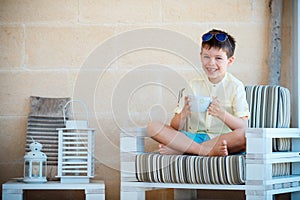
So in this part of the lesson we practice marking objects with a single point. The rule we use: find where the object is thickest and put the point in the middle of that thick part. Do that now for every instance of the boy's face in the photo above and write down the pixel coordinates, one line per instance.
(215, 63)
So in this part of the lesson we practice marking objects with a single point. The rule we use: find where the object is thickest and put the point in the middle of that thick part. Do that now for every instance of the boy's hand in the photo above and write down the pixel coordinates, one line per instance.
(178, 120)
(186, 111)
(215, 109)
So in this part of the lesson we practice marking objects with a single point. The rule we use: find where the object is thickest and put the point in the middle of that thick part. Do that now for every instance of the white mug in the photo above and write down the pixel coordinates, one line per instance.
(199, 103)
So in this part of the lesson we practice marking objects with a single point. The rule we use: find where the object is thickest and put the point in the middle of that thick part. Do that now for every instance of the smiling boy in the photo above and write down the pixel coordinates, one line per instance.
(220, 130)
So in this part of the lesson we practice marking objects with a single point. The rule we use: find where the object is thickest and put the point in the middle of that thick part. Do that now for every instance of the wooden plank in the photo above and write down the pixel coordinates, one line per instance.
(140, 132)
(148, 185)
(273, 133)
(275, 157)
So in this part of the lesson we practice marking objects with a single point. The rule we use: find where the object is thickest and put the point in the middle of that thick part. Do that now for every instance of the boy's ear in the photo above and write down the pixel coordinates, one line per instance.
(231, 60)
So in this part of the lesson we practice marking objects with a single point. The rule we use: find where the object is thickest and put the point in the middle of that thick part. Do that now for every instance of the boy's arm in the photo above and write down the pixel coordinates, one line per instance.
(234, 122)
(231, 121)
(177, 122)
(179, 119)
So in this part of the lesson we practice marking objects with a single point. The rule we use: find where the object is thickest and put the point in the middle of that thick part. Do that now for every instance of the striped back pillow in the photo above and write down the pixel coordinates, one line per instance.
(269, 106)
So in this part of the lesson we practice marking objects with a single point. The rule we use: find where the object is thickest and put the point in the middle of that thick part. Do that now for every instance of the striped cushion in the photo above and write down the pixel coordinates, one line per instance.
(152, 167)
(269, 107)
(190, 169)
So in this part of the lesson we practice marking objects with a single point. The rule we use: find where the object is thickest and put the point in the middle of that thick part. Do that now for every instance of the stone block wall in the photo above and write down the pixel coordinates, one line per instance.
(46, 47)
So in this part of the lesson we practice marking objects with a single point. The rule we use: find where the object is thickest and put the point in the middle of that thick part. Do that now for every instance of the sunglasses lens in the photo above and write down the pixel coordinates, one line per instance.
(206, 37)
(221, 37)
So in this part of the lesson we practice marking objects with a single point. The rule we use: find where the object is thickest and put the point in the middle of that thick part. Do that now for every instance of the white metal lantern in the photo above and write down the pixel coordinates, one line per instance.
(35, 164)
(75, 151)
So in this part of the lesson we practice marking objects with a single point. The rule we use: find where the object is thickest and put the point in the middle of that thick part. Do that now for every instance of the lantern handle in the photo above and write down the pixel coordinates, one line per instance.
(78, 101)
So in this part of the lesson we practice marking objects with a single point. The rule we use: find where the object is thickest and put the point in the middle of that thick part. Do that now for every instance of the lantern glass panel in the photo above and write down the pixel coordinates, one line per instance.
(44, 169)
(26, 169)
(35, 169)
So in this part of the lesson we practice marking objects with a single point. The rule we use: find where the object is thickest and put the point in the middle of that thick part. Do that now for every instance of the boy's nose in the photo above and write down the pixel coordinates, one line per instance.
(212, 61)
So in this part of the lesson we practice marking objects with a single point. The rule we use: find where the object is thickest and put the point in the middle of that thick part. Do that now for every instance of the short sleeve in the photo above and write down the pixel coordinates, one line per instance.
(240, 105)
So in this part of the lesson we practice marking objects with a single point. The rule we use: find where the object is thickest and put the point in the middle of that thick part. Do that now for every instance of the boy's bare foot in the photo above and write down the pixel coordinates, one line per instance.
(219, 149)
(163, 149)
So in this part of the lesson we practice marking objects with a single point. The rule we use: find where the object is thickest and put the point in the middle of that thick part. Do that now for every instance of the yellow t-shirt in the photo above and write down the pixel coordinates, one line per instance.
(232, 95)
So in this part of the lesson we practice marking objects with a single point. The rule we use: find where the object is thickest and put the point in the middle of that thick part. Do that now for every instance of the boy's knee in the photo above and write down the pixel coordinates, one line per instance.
(153, 128)
(241, 134)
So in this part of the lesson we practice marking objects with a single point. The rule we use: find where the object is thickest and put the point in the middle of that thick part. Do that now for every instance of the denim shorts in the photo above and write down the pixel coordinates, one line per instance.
(197, 137)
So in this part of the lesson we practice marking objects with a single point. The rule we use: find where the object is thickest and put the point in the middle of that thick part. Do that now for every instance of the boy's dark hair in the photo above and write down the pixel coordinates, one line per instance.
(228, 45)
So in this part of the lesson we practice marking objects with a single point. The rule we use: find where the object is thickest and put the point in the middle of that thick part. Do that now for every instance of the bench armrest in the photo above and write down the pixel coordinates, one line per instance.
(132, 142)
(259, 140)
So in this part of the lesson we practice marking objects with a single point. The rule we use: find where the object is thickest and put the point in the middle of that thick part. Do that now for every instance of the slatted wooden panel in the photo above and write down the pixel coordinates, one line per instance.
(45, 117)
(44, 131)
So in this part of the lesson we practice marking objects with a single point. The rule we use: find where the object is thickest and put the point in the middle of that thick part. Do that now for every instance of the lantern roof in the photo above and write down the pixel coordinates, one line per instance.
(35, 152)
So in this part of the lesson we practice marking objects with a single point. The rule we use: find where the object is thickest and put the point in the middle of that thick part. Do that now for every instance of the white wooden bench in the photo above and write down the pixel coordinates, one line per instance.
(13, 190)
(259, 183)
(259, 159)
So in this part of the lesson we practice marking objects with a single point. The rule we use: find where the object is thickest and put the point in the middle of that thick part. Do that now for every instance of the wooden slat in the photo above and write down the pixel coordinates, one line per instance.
(273, 133)
(151, 186)
(33, 132)
(275, 157)
(29, 141)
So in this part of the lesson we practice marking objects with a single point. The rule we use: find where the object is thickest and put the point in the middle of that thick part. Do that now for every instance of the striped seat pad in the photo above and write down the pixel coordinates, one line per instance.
(153, 167)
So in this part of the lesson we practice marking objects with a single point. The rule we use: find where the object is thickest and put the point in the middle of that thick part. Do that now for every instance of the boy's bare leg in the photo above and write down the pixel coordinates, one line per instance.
(164, 149)
(236, 140)
(220, 150)
(178, 141)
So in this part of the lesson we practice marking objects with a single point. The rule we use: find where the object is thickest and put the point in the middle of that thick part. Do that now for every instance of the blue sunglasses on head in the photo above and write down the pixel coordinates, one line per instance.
(221, 37)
